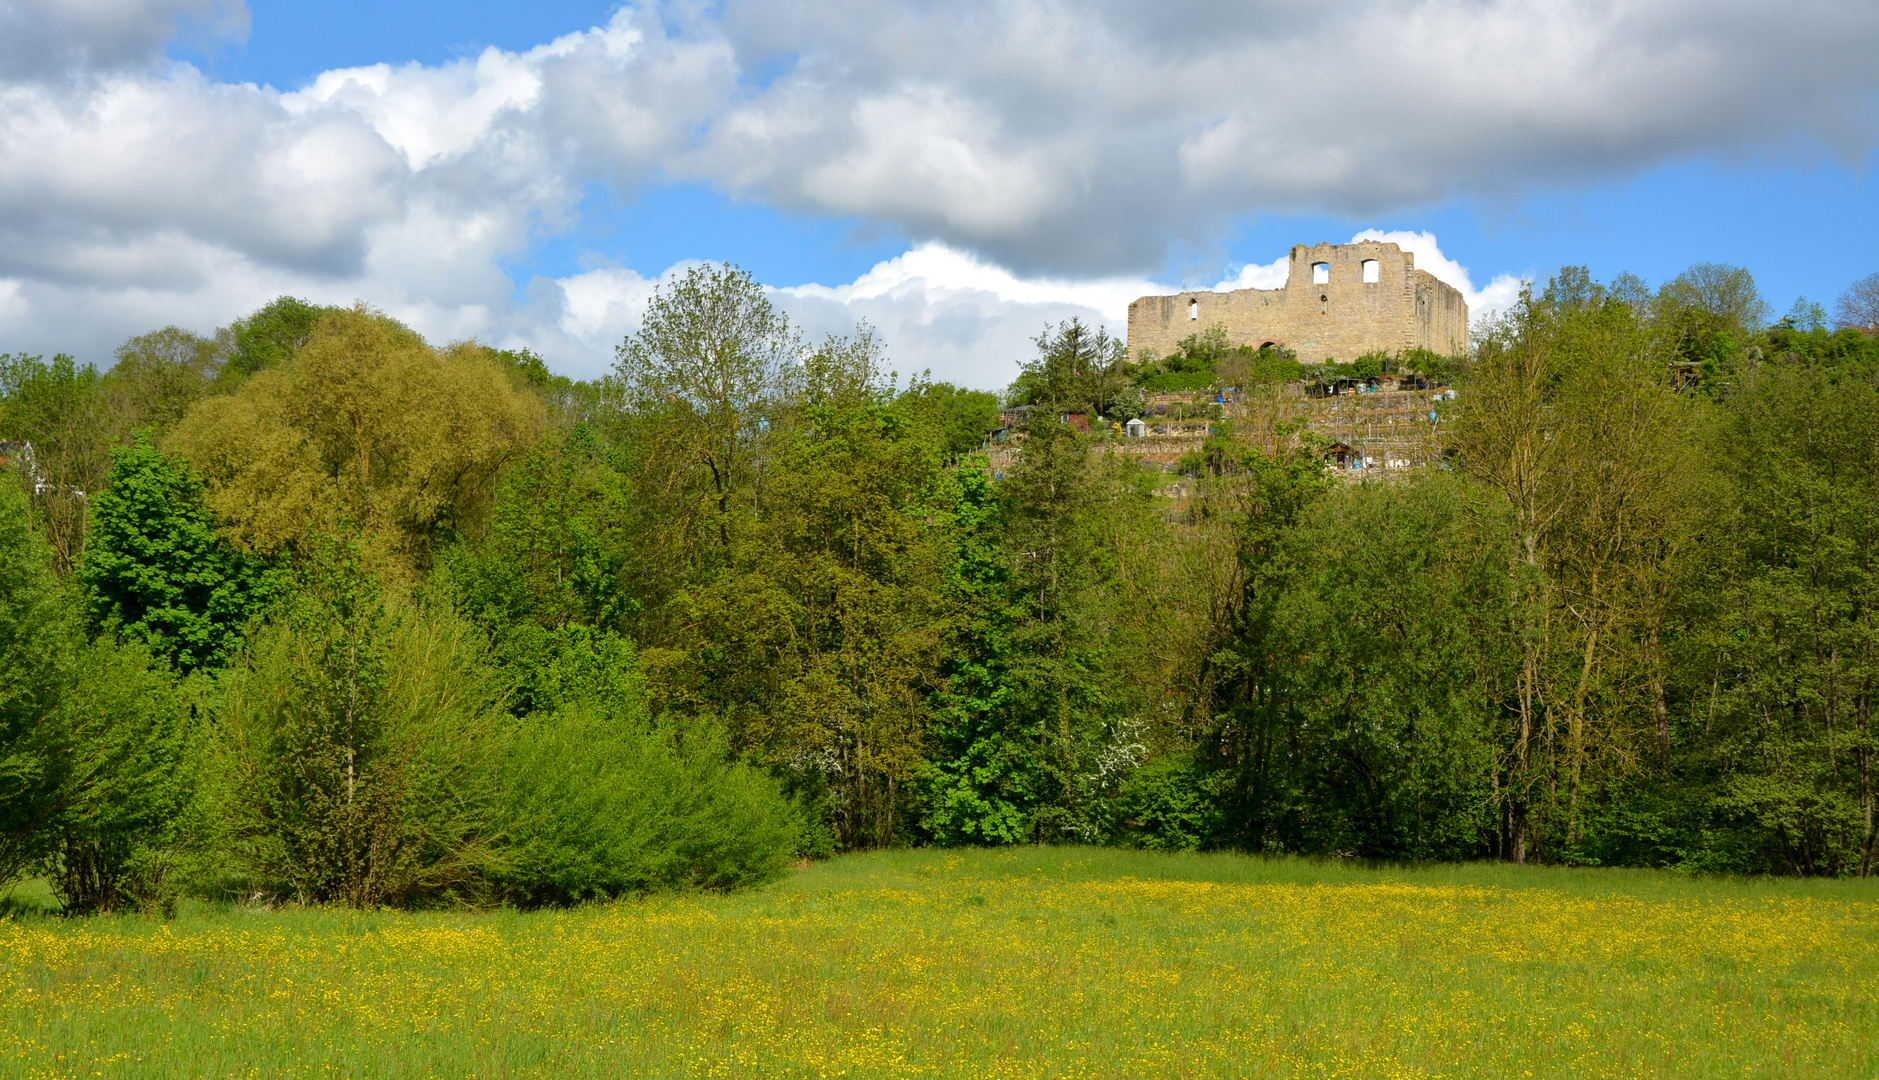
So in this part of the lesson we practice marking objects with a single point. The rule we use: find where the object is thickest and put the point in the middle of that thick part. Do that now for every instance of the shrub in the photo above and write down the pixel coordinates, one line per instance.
(117, 829)
(92, 743)
(599, 801)
(356, 749)
(1167, 805)
(35, 652)
(1129, 404)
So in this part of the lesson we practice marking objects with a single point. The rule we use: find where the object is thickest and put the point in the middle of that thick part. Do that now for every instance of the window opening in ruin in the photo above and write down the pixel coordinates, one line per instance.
(1193, 309)
(1321, 273)
(1371, 269)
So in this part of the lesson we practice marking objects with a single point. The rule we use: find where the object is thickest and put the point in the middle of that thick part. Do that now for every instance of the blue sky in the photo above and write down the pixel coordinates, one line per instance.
(288, 43)
(1803, 226)
(956, 174)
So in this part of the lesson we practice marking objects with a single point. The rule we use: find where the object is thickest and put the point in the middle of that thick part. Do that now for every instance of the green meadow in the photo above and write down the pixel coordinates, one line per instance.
(1016, 962)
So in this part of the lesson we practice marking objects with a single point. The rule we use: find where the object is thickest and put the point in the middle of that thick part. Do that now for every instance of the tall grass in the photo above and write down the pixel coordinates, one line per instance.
(1053, 962)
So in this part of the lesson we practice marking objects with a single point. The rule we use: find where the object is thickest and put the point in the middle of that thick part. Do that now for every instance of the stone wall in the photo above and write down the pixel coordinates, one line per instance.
(1341, 317)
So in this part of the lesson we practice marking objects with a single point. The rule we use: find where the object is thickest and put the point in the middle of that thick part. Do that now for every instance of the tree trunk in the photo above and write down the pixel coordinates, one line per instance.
(1658, 705)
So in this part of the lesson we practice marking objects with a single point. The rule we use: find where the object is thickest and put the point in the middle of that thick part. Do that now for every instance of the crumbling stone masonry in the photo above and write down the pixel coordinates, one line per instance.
(1339, 302)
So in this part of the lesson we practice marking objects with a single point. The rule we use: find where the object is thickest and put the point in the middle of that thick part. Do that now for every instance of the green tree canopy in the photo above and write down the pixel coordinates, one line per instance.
(156, 569)
(159, 375)
(270, 337)
(366, 427)
(58, 407)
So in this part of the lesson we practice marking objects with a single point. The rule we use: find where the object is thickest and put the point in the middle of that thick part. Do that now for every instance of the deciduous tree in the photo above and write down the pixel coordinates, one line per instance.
(159, 375)
(157, 571)
(58, 409)
(365, 427)
(1858, 306)
(357, 746)
(697, 382)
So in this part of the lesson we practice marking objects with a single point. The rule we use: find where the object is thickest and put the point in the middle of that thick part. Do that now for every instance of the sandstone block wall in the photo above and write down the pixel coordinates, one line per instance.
(1341, 317)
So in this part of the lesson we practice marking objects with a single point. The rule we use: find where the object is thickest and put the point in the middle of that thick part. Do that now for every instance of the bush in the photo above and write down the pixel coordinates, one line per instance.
(92, 742)
(1129, 404)
(1167, 806)
(599, 801)
(118, 831)
(1372, 365)
(35, 656)
(356, 749)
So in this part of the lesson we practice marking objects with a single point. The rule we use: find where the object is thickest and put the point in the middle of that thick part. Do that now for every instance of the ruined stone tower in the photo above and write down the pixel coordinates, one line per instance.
(1339, 302)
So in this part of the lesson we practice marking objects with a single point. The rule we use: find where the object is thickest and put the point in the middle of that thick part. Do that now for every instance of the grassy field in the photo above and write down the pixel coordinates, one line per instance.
(1011, 963)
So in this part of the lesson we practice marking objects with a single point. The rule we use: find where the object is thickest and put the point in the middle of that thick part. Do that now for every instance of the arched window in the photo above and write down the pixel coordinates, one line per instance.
(1371, 269)
(1193, 309)
(1320, 273)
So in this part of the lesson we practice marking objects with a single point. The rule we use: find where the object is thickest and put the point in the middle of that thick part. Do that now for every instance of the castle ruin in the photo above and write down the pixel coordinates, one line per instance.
(1339, 302)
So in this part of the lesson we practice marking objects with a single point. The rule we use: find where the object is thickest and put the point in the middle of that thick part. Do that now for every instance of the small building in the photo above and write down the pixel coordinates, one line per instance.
(1137, 428)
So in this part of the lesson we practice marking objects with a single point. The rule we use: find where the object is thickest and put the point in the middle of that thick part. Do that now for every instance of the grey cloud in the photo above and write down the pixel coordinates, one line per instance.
(1050, 136)
(52, 38)
(304, 182)
(1109, 129)
(131, 159)
(141, 196)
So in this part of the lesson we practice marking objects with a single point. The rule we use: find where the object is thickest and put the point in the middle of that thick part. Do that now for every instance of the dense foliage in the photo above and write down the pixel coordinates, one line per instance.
(315, 609)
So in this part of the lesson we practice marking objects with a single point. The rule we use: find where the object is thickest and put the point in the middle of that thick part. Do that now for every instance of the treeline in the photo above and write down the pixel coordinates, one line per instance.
(313, 609)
